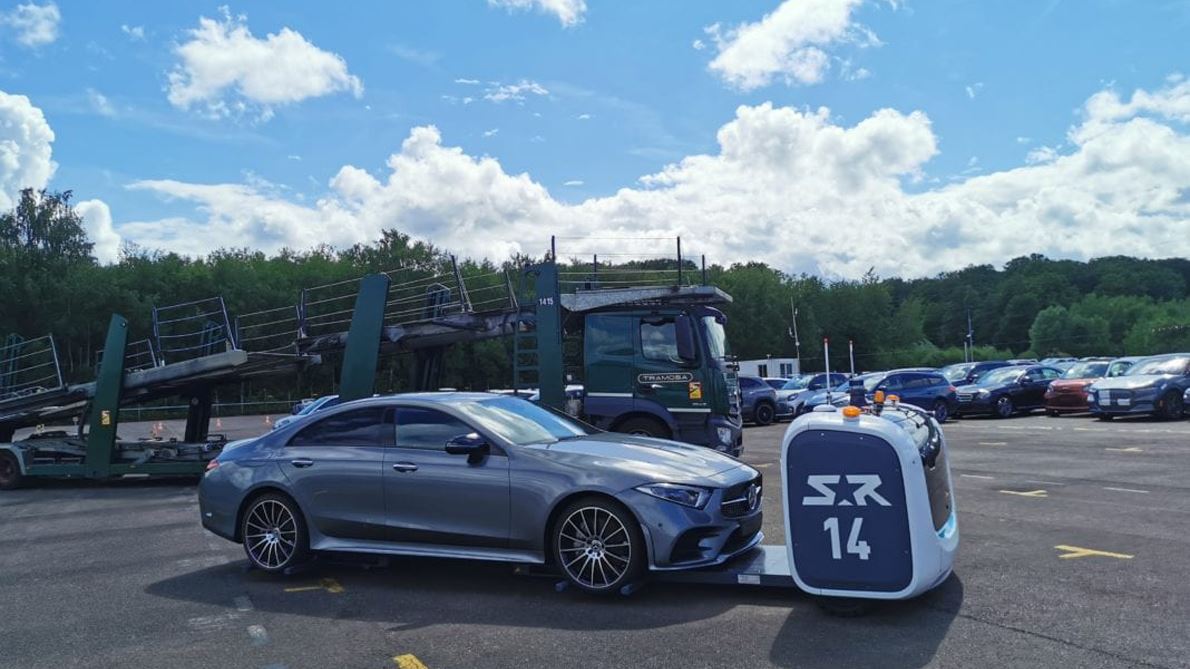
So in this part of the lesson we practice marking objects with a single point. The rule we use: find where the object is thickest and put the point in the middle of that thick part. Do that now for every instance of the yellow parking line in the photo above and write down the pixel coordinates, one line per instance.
(1030, 493)
(329, 584)
(1078, 552)
(408, 661)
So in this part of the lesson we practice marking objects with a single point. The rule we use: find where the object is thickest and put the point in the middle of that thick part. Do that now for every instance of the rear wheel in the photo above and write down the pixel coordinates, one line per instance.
(643, 426)
(764, 413)
(598, 546)
(1172, 406)
(1051, 412)
(274, 533)
(1105, 417)
(1004, 407)
(941, 411)
(10, 471)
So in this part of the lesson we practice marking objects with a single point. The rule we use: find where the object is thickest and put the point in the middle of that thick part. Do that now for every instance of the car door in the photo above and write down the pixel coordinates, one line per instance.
(434, 497)
(334, 467)
(1032, 387)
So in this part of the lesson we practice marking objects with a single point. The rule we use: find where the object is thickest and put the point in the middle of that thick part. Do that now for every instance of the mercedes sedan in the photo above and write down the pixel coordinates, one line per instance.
(487, 477)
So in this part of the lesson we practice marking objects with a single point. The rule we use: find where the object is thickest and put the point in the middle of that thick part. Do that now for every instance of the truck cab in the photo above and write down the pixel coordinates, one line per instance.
(663, 372)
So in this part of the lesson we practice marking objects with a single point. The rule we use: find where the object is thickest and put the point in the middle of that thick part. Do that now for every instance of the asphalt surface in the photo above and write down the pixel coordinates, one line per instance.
(122, 575)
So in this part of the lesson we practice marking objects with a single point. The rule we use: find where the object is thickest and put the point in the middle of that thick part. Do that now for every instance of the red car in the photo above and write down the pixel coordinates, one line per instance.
(1068, 393)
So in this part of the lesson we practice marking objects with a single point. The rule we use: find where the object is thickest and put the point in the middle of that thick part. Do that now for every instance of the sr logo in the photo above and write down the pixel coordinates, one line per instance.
(858, 487)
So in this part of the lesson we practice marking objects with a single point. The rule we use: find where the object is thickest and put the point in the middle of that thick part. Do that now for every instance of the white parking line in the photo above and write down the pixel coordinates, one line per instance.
(993, 443)
(976, 476)
(1044, 482)
(1143, 492)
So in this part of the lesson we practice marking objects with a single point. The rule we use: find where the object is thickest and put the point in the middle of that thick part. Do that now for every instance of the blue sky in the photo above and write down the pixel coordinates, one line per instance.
(597, 99)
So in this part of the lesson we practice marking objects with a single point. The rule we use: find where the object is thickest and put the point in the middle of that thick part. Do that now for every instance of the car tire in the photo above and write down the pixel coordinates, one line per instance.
(941, 411)
(1171, 406)
(1003, 407)
(274, 533)
(10, 471)
(1051, 413)
(764, 413)
(598, 546)
(644, 426)
(1105, 417)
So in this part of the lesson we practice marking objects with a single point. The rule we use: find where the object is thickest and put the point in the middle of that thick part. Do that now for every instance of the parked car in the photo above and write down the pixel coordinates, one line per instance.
(480, 476)
(758, 400)
(1058, 363)
(840, 395)
(1068, 393)
(965, 373)
(1005, 391)
(777, 382)
(312, 406)
(929, 390)
(792, 396)
(1155, 385)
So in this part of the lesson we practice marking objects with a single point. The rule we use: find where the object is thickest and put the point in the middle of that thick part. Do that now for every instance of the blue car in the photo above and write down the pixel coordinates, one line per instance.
(918, 386)
(758, 400)
(1156, 386)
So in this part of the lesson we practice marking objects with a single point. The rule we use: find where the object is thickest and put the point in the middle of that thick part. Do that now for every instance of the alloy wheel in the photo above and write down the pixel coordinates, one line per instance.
(1004, 407)
(594, 547)
(270, 533)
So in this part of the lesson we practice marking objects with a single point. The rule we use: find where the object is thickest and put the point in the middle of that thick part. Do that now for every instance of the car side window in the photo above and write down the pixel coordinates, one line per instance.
(1049, 374)
(893, 382)
(361, 427)
(746, 383)
(427, 429)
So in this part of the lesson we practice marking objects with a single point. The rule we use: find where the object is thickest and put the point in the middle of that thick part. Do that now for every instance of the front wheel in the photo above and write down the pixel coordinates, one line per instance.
(1172, 406)
(1105, 417)
(764, 413)
(1004, 407)
(598, 546)
(10, 471)
(274, 533)
(643, 426)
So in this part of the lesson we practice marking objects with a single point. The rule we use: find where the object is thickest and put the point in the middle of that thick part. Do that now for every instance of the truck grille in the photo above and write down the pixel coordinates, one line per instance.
(738, 500)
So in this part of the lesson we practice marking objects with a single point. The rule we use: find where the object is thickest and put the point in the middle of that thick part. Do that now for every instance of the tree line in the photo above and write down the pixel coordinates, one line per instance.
(1032, 307)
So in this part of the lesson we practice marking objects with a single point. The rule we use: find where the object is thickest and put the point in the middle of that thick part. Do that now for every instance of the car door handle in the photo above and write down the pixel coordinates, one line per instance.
(301, 462)
(405, 466)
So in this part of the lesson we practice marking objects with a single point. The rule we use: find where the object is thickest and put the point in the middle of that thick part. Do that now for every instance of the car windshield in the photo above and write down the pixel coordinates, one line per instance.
(1086, 370)
(956, 372)
(777, 384)
(1175, 365)
(998, 376)
(797, 384)
(315, 405)
(520, 421)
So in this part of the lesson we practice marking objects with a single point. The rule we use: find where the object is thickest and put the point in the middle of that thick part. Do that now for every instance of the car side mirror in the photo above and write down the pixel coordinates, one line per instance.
(684, 334)
(467, 444)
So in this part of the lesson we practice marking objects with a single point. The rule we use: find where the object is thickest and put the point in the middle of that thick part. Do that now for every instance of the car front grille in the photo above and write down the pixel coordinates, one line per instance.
(966, 397)
(1116, 395)
(736, 500)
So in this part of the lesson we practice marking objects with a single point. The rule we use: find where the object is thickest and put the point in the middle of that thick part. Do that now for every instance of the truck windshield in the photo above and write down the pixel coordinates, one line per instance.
(520, 421)
(716, 337)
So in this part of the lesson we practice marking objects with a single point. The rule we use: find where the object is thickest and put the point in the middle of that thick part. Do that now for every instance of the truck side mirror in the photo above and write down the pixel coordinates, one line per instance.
(684, 333)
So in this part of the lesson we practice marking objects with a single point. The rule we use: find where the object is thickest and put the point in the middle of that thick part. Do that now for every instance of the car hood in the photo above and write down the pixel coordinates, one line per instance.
(1132, 382)
(975, 387)
(1072, 383)
(651, 459)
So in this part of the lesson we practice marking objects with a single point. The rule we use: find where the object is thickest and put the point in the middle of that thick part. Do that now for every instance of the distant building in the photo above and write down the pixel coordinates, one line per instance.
(783, 367)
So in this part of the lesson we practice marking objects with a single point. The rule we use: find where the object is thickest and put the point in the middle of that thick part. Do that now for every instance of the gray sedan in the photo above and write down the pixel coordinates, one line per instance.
(487, 477)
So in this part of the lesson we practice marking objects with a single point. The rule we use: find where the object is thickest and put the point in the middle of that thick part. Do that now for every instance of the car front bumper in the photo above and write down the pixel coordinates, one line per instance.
(975, 405)
(682, 537)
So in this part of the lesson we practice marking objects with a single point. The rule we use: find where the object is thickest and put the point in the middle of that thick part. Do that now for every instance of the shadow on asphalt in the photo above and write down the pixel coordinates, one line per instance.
(413, 593)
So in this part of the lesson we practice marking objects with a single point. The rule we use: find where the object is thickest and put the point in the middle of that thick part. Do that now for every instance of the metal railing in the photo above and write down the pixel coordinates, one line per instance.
(29, 366)
(138, 355)
(665, 267)
(269, 330)
(192, 329)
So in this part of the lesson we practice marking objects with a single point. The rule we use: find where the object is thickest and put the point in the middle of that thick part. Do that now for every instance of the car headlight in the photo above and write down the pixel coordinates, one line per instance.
(686, 495)
(983, 392)
(724, 434)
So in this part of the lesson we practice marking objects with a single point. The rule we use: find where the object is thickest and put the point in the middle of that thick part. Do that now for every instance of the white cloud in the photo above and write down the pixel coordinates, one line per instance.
(973, 89)
(35, 25)
(97, 220)
(489, 133)
(498, 92)
(583, 117)
(782, 185)
(294, 156)
(790, 43)
(1041, 154)
(135, 33)
(225, 71)
(698, 45)
(416, 56)
(467, 82)
(572, 182)
(100, 103)
(25, 148)
(569, 12)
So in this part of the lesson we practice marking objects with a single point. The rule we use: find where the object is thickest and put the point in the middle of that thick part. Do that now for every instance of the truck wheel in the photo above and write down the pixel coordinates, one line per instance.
(1171, 406)
(10, 471)
(764, 413)
(598, 546)
(274, 533)
(643, 426)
